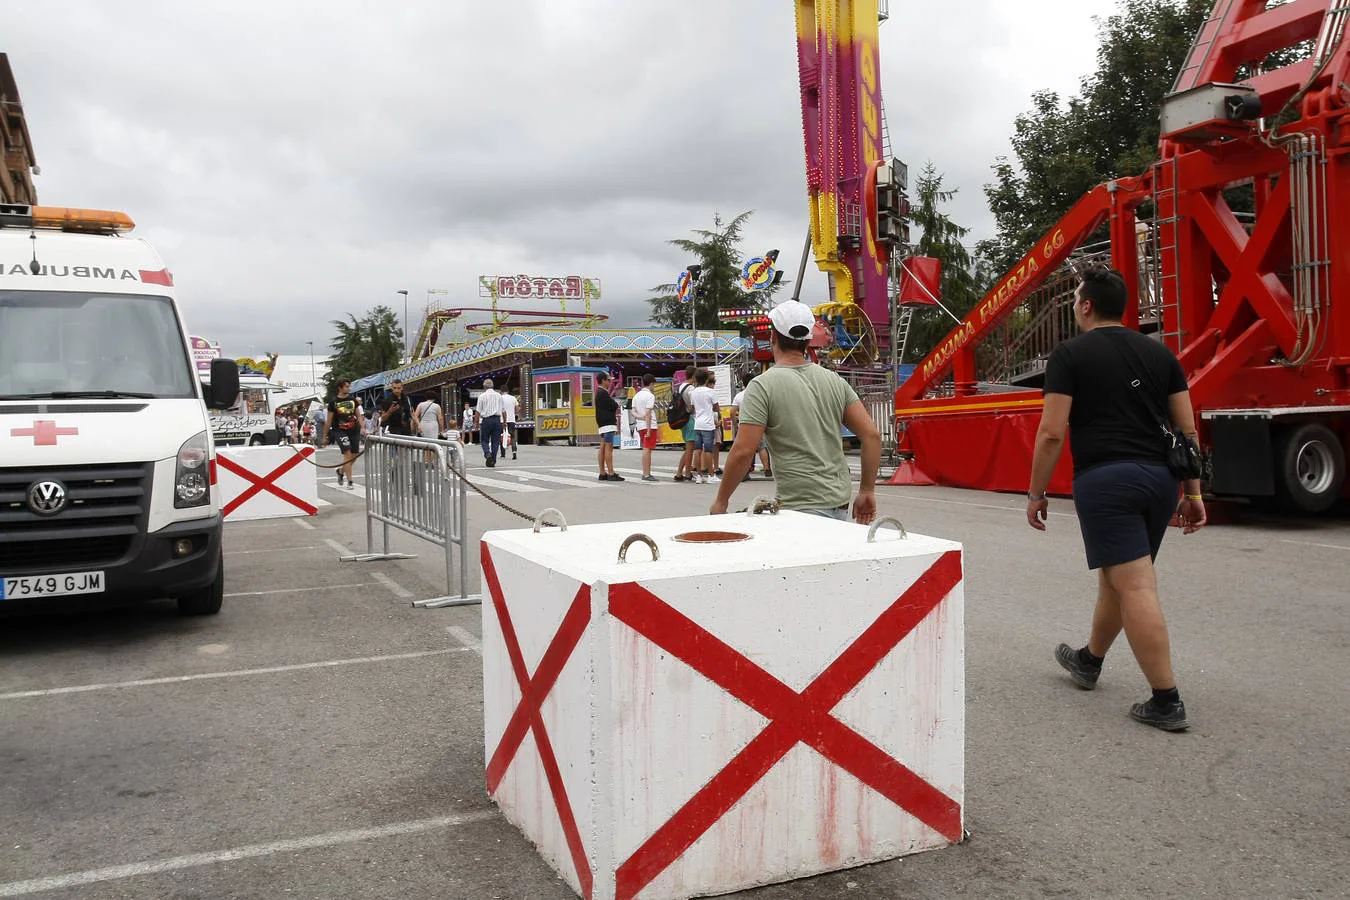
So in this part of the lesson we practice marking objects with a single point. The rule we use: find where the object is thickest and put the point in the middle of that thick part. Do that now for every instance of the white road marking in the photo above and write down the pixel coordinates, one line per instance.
(235, 673)
(594, 479)
(269, 550)
(250, 851)
(304, 523)
(327, 587)
(394, 587)
(664, 474)
(1015, 509)
(569, 482)
(502, 485)
(466, 637)
(1312, 544)
(356, 491)
(341, 550)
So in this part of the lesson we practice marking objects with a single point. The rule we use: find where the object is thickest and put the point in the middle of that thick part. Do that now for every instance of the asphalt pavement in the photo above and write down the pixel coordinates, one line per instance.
(321, 738)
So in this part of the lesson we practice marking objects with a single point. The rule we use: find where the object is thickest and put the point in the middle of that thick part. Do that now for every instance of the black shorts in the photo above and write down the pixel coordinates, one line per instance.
(1123, 510)
(349, 441)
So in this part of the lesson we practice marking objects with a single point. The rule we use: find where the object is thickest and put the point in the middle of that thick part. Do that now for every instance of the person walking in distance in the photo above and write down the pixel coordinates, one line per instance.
(509, 406)
(644, 419)
(684, 470)
(344, 425)
(1109, 387)
(490, 422)
(717, 428)
(736, 429)
(798, 406)
(466, 423)
(396, 411)
(429, 418)
(707, 414)
(607, 423)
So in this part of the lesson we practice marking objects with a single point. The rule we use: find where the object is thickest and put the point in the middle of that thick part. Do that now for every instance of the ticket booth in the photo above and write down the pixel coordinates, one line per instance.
(564, 404)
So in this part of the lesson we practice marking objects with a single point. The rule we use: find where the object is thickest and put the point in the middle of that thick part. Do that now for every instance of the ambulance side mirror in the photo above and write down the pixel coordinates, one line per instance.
(224, 386)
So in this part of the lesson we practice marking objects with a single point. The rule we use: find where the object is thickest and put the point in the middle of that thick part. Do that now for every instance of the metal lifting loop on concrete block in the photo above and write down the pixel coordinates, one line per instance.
(886, 520)
(540, 523)
(763, 504)
(633, 539)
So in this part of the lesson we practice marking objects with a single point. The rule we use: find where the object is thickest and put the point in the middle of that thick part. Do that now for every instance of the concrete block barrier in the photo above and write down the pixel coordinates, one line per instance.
(266, 482)
(729, 702)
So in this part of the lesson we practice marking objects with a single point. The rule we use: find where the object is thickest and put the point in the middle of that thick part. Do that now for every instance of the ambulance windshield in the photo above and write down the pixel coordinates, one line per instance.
(65, 344)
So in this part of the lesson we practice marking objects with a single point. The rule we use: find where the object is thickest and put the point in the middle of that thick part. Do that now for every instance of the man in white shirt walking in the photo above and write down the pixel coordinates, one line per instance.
(644, 418)
(509, 406)
(490, 423)
(707, 416)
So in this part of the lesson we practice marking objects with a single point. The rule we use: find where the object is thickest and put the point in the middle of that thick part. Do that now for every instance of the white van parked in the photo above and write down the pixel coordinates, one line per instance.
(252, 419)
(107, 469)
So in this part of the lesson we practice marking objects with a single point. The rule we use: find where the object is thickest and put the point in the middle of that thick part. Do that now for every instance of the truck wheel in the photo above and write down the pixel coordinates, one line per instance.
(207, 601)
(255, 441)
(1309, 468)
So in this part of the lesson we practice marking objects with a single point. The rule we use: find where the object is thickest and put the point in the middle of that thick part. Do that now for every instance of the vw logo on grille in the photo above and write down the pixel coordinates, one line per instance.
(47, 498)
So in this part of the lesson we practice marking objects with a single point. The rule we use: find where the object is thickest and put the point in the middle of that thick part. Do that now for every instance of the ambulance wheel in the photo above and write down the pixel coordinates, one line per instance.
(208, 600)
(1309, 468)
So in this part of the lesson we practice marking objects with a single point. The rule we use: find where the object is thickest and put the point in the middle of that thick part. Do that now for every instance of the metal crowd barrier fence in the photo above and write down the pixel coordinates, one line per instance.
(416, 485)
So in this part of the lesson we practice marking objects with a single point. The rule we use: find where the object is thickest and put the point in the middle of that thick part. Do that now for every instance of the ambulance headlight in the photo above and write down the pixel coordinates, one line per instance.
(191, 484)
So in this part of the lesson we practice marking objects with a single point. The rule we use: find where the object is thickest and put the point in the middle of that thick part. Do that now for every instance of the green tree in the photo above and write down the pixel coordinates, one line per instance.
(717, 250)
(940, 238)
(365, 346)
(1063, 149)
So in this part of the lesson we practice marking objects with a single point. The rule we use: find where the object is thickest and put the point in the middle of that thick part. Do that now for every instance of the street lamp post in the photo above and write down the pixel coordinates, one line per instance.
(313, 375)
(405, 324)
(694, 272)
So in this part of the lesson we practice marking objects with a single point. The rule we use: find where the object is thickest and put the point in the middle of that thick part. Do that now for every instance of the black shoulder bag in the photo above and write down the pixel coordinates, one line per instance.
(1183, 456)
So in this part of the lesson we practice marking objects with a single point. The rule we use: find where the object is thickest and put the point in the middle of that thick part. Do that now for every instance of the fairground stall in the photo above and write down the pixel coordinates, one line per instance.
(513, 356)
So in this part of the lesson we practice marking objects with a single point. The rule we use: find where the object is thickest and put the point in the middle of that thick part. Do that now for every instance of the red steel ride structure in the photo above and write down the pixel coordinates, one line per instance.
(1256, 306)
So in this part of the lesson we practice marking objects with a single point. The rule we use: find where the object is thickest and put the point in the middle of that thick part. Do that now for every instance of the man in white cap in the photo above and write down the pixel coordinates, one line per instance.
(798, 406)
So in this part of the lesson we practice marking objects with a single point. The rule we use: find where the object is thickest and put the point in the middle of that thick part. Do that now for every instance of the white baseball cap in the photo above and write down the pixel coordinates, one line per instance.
(792, 319)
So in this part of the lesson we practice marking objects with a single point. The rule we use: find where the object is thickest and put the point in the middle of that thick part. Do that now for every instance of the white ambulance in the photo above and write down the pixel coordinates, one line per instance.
(107, 469)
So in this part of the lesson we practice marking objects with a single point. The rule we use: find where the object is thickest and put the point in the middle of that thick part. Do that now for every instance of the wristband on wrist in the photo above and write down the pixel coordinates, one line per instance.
(1194, 497)
(1035, 498)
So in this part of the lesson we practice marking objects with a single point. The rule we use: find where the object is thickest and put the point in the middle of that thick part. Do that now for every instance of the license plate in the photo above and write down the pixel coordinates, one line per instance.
(51, 585)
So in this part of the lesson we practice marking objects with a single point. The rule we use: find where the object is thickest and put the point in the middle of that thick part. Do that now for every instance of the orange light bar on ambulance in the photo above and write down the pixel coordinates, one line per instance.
(101, 221)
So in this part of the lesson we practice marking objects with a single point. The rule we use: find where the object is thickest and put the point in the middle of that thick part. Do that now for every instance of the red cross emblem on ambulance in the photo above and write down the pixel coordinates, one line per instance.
(44, 432)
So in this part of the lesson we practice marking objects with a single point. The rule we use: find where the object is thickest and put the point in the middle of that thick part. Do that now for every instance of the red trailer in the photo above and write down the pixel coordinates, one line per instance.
(1256, 307)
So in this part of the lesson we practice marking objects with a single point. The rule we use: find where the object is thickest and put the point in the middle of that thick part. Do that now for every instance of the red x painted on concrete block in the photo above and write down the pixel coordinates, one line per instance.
(793, 717)
(267, 482)
(527, 717)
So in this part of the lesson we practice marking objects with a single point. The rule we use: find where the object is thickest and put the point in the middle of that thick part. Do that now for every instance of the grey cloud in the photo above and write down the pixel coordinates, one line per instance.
(298, 160)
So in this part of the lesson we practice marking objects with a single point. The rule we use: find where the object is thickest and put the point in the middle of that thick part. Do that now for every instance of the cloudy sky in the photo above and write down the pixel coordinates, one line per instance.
(295, 160)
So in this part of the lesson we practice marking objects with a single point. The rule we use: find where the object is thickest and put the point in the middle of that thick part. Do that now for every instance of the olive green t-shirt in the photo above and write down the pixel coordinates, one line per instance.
(802, 409)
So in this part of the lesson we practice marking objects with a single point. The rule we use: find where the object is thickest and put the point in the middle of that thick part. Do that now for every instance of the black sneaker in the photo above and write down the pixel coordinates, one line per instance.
(339, 478)
(602, 477)
(617, 477)
(1083, 676)
(1168, 717)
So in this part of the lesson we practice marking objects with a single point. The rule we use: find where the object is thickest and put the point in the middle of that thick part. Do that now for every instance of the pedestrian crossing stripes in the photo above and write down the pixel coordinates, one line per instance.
(539, 479)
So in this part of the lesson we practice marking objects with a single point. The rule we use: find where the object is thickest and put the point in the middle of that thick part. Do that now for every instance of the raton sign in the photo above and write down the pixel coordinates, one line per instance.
(539, 287)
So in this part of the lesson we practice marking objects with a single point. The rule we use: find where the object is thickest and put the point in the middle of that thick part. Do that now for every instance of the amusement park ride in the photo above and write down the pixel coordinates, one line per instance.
(1256, 307)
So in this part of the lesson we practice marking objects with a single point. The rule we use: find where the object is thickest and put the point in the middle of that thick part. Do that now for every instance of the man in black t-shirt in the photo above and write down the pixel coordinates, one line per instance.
(396, 410)
(1111, 388)
(343, 427)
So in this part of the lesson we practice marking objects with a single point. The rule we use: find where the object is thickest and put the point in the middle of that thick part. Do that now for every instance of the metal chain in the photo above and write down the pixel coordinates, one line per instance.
(482, 493)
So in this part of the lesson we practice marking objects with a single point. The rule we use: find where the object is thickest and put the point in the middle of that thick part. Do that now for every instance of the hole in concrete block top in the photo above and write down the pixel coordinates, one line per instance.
(712, 537)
